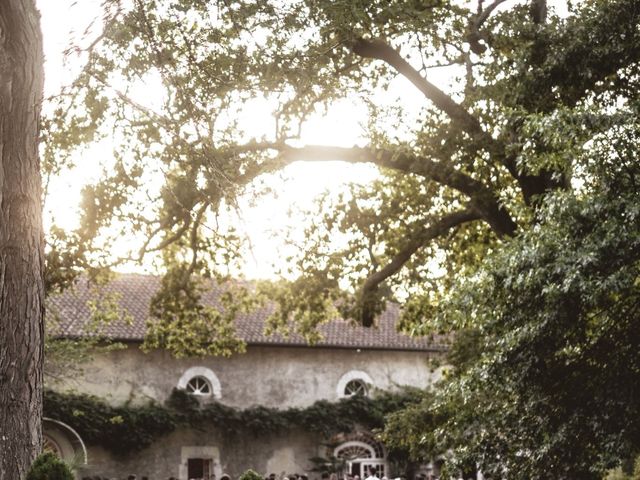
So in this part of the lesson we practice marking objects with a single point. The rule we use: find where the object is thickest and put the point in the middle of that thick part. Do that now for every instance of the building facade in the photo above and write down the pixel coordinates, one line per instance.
(274, 372)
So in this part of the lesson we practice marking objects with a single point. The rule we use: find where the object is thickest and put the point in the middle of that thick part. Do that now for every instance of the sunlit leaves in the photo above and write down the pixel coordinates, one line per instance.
(180, 324)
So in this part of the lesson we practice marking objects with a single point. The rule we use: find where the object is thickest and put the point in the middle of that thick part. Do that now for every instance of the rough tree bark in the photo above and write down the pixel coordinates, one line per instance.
(21, 238)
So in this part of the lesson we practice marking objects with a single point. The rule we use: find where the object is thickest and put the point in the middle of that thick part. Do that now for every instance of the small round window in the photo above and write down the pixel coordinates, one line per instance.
(355, 387)
(199, 386)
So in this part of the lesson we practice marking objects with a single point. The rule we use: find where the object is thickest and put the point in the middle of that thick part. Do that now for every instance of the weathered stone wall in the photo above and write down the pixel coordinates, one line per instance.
(269, 376)
(232, 455)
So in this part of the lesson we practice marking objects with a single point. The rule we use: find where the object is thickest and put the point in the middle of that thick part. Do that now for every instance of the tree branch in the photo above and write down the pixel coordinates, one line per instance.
(486, 13)
(476, 23)
(174, 237)
(482, 197)
(538, 11)
(368, 293)
(497, 216)
(425, 167)
(193, 239)
(382, 51)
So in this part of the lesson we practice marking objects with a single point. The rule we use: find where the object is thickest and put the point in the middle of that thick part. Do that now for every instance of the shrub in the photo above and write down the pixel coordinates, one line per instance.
(250, 475)
(47, 466)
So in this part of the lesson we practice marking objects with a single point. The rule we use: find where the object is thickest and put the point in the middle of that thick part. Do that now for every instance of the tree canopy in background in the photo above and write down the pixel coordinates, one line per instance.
(546, 379)
(519, 181)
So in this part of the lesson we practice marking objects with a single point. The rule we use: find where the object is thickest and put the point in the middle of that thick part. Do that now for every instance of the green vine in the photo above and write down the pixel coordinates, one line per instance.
(125, 429)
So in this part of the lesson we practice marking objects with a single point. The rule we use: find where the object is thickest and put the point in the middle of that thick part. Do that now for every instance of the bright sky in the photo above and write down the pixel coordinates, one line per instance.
(64, 22)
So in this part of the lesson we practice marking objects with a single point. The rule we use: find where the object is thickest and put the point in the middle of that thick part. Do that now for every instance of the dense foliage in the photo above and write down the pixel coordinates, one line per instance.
(506, 206)
(553, 389)
(47, 466)
(124, 429)
(458, 173)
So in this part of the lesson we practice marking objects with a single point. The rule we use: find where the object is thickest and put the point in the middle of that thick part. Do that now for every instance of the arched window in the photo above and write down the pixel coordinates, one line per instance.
(199, 386)
(200, 381)
(354, 450)
(64, 441)
(355, 382)
(355, 387)
(361, 454)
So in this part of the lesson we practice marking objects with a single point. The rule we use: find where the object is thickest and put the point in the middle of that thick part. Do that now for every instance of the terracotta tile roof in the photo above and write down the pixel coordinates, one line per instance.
(72, 315)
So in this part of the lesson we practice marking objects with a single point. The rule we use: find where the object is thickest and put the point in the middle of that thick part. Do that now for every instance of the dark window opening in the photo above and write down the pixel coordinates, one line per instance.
(199, 468)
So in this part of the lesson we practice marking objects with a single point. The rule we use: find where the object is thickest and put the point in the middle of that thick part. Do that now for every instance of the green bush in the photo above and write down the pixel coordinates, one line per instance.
(250, 475)
(126, 429)
(47, 466)
(629, 472)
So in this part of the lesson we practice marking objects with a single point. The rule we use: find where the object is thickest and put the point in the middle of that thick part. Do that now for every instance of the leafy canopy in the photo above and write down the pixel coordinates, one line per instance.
(547, 383)
(519, 181)
(464, 173)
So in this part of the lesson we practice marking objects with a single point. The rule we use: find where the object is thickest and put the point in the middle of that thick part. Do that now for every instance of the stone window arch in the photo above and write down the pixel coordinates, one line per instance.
(361, 454)
(64, 441)
(200, 381)
(355, 449)
(354, 382)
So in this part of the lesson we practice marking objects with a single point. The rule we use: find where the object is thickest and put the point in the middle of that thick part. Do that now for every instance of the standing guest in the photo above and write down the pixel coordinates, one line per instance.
(372, 474)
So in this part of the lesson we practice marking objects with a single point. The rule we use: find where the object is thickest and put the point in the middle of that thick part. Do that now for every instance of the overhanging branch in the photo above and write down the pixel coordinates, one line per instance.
(440, 172)
(483, 198)
(368, 293)
(382, 51)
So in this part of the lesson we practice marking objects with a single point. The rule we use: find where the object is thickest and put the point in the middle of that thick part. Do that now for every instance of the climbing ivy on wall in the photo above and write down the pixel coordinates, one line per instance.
(127, 428)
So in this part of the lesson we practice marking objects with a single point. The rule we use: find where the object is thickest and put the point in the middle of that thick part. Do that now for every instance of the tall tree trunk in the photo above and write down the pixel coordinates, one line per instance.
(21, 238)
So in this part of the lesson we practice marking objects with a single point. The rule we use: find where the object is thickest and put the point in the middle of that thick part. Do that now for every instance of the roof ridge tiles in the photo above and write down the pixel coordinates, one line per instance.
(136, 291)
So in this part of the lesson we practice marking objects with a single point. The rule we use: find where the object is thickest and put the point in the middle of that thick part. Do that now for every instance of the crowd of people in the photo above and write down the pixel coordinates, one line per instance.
(372, 475)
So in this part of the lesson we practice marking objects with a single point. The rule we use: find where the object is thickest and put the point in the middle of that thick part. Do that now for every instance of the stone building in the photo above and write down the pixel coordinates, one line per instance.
(274, 372)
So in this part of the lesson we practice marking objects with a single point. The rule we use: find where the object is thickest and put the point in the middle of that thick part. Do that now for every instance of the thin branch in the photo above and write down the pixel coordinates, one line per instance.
(148, 112)
(474, 36)
(167, 241)
(193, 241)
(469, 78)
(442, 226)
(486, 13)
(107, 18)
(380, 50)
